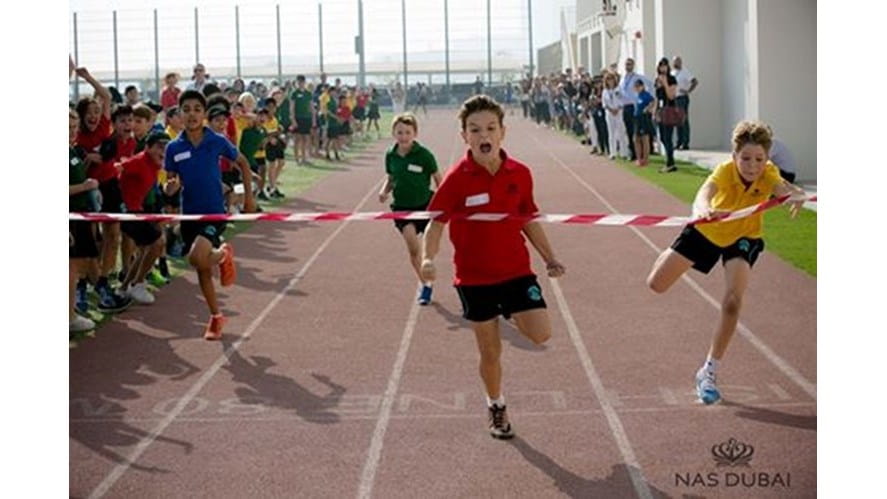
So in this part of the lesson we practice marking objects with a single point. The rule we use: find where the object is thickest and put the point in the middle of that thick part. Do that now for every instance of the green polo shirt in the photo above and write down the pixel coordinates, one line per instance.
(302, 102)
(283, 113)
(251, 141)
(77, 175)
(411, 175)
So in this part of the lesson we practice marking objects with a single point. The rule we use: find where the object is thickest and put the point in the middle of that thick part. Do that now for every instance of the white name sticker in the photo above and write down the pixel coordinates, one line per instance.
(414, 168)
(477, 199)
(238, 189)
(181, 156)
(75, 161)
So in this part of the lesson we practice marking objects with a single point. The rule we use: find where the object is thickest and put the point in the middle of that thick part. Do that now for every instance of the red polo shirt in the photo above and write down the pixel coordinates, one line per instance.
(106, 170)
(137, 178)
(486, 252)
(170, 97)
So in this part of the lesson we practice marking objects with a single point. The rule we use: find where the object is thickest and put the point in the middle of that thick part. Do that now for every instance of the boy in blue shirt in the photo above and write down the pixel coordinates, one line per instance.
(643, 128)
(192, 160)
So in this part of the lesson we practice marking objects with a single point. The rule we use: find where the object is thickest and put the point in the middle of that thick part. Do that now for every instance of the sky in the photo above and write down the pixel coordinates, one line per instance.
(299, 47)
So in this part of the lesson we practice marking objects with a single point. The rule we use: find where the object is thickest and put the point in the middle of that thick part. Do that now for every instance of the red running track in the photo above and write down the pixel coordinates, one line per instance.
(331, 382)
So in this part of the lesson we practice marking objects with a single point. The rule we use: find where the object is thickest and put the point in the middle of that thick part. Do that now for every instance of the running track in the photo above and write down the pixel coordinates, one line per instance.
(331, 382)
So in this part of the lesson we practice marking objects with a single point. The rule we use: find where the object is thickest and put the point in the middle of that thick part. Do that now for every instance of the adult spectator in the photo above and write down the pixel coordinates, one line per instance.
(629, 97)
(783, 159)
(239, 86)
(666, 91)
(686, 84)
(478, 86)
(199, 78)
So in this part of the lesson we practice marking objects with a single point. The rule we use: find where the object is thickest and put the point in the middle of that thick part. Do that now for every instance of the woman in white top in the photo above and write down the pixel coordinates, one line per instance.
(612, 97)
(398, 98)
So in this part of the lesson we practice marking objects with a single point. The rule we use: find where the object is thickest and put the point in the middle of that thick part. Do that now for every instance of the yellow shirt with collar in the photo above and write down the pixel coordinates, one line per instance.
(732, 195)
(270, 126)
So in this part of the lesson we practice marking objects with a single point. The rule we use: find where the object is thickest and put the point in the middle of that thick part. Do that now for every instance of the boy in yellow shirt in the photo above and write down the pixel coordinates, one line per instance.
(748, 179)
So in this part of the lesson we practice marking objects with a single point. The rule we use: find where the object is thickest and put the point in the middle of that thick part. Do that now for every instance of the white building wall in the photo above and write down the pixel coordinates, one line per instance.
(692, 29)
(737, 60)
(787, 64)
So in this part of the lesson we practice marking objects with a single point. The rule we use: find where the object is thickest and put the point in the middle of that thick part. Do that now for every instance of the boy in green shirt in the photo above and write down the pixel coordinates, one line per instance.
(410, 167)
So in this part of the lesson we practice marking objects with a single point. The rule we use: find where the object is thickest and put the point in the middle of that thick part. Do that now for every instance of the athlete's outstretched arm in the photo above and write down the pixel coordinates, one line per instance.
(536, 234)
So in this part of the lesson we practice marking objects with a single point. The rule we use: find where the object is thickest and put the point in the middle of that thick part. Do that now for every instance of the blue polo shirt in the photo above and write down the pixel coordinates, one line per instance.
(198, 170)
(643, 100)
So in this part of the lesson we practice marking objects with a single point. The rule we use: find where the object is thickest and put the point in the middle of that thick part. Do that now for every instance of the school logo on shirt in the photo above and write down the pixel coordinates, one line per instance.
(534, 293)
(744, 245)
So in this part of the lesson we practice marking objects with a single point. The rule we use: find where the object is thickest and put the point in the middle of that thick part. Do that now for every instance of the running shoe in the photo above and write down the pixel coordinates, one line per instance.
(262, 196)
(163, 267)
(668, 169)
(140, 294)
(706, 389)
(80, 324)
(425, 295)
(214, 328)
(499, 426)
(277, 194)
(227, 271)
(111, 302)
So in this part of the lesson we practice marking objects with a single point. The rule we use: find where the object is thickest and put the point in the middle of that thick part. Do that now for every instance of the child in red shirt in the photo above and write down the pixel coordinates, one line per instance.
(492, 264)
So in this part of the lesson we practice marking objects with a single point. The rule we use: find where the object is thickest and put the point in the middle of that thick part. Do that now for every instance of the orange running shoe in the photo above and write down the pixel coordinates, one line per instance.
(227, 271)
(214, 328)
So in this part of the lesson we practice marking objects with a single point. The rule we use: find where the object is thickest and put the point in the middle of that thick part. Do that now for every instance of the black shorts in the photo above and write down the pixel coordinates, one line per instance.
(112, 198)
(359, 113)
(143, 233)
(374, 114)
(303, 126)
(257, 165)
(345, 128)
(705, 254)
(174, 200)
(788, 176)
(485, 302)
(275, 152)
(81, 240)
(231, 177)
(418, 224)
(643, 125)
(210, 230)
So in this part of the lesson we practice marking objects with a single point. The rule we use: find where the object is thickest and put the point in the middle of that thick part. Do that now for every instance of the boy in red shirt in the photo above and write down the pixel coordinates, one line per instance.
(170, 95)
(492, 264)
(138, 176)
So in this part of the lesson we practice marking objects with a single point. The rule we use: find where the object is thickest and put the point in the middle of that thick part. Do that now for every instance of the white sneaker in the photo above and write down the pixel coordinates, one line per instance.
(706, 389)
(140, 294)
(80, 324)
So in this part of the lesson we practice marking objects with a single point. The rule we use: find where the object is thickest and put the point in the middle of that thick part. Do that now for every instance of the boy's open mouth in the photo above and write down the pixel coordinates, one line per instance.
(486, 147)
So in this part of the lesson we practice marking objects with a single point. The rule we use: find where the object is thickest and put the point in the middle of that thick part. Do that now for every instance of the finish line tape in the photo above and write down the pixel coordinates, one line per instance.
(606, 219)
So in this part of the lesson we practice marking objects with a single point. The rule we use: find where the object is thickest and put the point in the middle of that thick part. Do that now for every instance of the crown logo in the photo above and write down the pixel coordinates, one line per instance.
(732, 453)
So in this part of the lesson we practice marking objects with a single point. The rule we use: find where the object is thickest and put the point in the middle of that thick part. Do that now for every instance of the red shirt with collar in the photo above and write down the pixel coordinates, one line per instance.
(486, 252)
(137, 178)
(105, 171)
(170, 97)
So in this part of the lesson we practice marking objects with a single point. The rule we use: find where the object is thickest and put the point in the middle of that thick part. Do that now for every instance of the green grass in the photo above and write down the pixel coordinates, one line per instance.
(793, 240)
(294, 179)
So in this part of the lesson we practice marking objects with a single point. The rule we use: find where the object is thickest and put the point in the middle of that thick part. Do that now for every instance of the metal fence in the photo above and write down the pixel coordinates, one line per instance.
(444, 43)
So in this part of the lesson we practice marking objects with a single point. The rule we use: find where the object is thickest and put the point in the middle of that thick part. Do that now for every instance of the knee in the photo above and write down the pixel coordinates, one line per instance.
(656, 285)
(490, 354)
(540, 337)
(732, 304)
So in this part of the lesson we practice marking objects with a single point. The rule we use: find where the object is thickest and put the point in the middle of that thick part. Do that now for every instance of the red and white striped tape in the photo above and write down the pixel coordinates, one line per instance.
(612, 219)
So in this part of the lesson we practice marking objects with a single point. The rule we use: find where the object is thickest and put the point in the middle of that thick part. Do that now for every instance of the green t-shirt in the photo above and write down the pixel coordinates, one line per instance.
(77, 175)
(251, 141)
(302, 102)
(283, 113)
(411, 175)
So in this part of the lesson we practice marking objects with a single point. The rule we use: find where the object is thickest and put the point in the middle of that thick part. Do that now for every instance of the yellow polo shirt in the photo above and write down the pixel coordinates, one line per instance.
(270, 126)
(732, 195)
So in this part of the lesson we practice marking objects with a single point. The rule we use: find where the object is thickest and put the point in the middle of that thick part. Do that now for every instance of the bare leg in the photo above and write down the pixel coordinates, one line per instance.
(490, 347)
(203, 257)
(534, 324)
(670, 266)
(737, 272)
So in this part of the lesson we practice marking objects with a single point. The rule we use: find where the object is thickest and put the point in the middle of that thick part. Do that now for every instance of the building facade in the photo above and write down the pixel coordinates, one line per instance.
(754, 59)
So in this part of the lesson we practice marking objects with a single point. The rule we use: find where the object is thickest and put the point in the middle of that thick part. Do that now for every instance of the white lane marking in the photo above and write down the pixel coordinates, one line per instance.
(616, 428)
(143, 445)
(368, 476)
(780, 363)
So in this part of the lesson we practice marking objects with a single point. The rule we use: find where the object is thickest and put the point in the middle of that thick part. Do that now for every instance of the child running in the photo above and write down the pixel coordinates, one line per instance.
(748, 179)
(492, 265)
(193, 160)
(410, 167)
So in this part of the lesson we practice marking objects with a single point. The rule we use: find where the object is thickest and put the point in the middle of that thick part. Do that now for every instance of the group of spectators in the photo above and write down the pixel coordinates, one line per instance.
(116, 155)
(624, 115)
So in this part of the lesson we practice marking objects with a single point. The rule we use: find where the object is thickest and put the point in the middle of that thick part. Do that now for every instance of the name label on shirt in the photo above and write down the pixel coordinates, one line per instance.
(414, 168)
(477, 199)
(75, 161)
(181, 156)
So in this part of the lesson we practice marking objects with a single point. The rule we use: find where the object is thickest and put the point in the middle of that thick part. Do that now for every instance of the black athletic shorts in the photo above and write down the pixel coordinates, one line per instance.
(643, 125)
(705, 254)
(485, 302)
(143, 233)
(112, 198)
(275, 152)
(210, 230)
(231, 177)
(303, 126)
(81, 240)
(418, 224)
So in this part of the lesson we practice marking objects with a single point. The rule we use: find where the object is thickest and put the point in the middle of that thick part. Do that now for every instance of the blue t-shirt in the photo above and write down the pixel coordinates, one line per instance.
(644, 100)
(198, 170)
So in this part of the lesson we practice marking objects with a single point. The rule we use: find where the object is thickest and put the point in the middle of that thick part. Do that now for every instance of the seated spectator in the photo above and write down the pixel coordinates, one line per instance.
(783, 159)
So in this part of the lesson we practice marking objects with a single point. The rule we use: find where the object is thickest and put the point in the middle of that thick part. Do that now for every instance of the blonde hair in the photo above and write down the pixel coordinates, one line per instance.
(408, 119)
(752, 132)
(246, 96)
